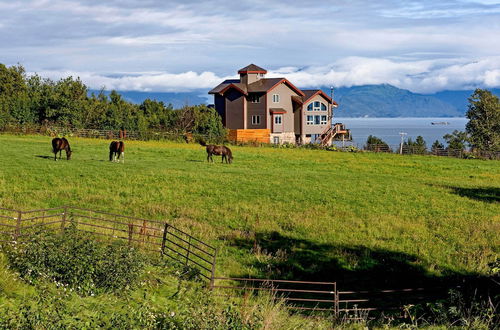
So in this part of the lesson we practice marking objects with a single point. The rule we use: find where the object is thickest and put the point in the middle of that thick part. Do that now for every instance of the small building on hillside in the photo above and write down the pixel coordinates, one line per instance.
(273, 110)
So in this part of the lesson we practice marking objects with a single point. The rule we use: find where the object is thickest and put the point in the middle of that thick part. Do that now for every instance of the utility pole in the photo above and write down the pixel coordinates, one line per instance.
(331, 106)
(402, 134)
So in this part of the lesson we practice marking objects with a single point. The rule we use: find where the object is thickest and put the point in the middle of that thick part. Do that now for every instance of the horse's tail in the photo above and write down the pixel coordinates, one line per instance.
(202, 142)
(55, 145)
(111, 150)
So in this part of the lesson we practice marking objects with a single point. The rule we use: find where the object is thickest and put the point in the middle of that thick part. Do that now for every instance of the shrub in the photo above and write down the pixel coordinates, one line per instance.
(74, 261)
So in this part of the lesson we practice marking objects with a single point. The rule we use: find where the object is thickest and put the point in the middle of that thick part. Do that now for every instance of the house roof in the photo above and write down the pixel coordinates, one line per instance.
(310, 93)
(267, 84)
(227, 84)
(277, 110)
(252, 68)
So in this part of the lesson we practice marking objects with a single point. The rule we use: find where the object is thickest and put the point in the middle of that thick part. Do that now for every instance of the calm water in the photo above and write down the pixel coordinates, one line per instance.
(388, 128)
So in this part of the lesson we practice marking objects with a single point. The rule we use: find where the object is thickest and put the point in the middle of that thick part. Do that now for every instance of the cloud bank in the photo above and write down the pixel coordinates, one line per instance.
(424, 76)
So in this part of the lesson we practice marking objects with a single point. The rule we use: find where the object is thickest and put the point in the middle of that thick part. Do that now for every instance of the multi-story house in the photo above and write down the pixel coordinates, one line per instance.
(273, 110)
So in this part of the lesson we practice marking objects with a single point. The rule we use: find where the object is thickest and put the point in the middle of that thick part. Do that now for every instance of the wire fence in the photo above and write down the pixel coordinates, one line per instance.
(422, 150)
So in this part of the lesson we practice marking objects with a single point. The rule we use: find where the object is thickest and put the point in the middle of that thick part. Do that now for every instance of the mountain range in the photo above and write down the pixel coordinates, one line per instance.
(358, 101)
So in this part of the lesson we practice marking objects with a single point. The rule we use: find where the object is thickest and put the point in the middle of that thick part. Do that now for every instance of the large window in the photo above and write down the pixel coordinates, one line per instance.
(276, 98)
(255, 120)
(310, 120)
(317, 120)
(323, 120)
(254, 98)
(316, 106)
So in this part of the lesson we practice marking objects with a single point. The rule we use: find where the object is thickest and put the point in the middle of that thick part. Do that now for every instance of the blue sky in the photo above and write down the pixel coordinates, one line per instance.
(148, 45)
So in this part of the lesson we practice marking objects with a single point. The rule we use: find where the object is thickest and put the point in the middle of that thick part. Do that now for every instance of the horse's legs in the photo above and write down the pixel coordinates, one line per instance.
(123, 157)
(55, 156)
(223, 156)
(60, 154)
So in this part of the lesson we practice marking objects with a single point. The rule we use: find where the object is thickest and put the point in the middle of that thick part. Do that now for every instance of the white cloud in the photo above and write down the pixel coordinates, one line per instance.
(418, 76)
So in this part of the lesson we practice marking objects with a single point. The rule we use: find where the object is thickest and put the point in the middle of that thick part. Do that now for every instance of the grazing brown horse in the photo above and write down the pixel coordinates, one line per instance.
(117, 149)
(58, 145)
(223, 151)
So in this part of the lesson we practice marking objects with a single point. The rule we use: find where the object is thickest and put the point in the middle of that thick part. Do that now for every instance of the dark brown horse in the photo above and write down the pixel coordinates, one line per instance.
(58, 145)
(223, 151)
(117, 149)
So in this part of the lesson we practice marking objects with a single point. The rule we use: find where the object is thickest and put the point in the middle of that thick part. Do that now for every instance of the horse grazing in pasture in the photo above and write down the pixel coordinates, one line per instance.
(60, 144)
(223, 151)
(117, 149)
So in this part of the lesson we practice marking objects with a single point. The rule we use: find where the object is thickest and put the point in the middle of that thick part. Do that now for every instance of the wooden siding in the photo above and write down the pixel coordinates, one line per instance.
(249, 135)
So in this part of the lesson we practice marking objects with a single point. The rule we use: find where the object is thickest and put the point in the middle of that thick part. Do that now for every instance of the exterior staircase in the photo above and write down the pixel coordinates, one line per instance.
(336, 131)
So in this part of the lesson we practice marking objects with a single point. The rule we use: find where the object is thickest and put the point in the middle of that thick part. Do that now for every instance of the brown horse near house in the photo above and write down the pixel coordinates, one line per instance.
(223, 151)
(117, 149)
(60, 144)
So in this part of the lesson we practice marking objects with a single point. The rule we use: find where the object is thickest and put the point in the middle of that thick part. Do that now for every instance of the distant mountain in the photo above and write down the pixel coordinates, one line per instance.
(357, 101)
(459, 99)
(389, 101)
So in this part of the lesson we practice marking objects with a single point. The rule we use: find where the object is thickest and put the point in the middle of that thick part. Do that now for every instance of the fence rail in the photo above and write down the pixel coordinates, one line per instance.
(420, 150)
(149, 235)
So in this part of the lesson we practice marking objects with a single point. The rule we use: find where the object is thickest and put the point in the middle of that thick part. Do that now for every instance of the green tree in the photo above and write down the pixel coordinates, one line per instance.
(456, 140)
(376, 144)
(416, 147)
(484, 120)
(436, 146)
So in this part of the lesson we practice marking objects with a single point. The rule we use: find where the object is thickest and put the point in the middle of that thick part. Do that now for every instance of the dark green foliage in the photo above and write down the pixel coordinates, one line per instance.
(415, 147)
(484, 121)
(456, 140)
(72, 260)
(437, 146)
(67, 103)
(376, 144)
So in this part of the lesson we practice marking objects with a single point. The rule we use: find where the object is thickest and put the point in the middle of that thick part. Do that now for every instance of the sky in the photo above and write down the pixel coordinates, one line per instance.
(175, 46)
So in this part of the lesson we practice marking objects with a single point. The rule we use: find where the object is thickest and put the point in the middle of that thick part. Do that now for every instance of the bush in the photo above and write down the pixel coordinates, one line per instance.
(74, 261)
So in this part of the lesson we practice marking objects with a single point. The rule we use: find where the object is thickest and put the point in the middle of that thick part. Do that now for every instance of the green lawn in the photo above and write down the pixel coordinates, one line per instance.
(291, 213)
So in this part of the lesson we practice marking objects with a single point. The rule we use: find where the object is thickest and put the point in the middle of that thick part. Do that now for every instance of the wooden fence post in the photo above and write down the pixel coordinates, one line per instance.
(17, 232)
(188, 251)
(163, 242)
(63, 222)
(130, 232)
(336, 300)
(212, 276)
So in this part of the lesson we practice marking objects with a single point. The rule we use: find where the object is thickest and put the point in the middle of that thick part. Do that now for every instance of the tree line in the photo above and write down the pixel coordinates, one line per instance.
(30, 99)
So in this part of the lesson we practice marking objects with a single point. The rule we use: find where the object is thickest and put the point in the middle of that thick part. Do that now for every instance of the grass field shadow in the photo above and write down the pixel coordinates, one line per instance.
(489, 195)
(357, 267)
(45, 157)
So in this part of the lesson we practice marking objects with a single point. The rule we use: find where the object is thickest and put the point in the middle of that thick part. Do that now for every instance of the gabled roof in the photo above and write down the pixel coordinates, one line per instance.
(267, 84)
(227, 84)
(252, 68)
(310, 93)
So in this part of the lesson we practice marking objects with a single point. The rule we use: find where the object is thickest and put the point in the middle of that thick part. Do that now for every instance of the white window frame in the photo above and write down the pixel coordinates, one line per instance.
(325, 121)
(309, 122)
(255, 119)
(276, 117)
(312, 106)
(276, 98)
(255, 98)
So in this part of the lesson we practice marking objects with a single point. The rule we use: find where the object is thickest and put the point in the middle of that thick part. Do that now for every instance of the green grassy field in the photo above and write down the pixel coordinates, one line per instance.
(288, 213)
